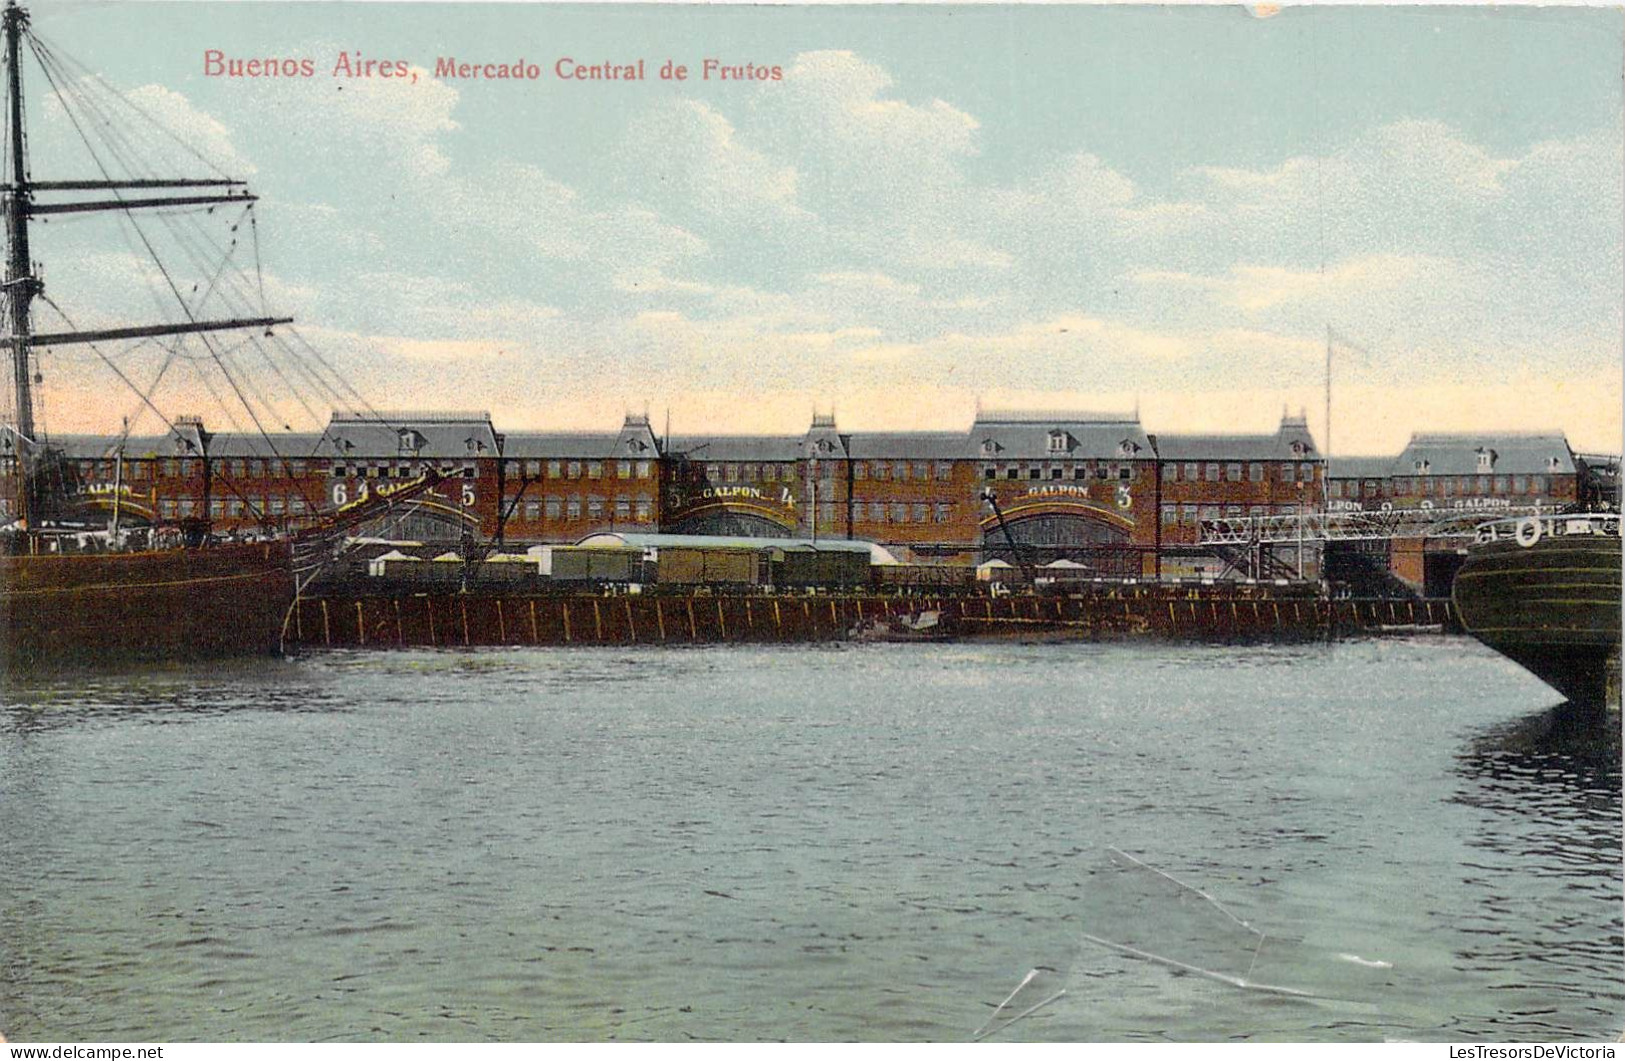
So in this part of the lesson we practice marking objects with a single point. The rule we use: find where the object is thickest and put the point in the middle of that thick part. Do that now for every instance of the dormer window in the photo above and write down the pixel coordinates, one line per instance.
(1299, 449)
(636, 445)
(823, 445)
(1486, 459)
(1421, 467)
(990, 447)
(1059, 441)
(1554, 464)
(409, 442)
(1127, 448)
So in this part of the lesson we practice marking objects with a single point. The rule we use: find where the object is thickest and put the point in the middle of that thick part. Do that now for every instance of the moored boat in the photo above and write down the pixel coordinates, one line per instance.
(1544, 591)
(75, 592)
(93, 609)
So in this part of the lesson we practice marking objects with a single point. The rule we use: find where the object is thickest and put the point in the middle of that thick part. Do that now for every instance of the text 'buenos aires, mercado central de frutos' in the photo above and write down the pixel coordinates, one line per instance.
(1097, 488)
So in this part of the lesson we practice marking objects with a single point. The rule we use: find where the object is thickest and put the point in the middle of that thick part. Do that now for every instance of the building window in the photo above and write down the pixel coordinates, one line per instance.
(945, 511)
(1306, 473)
(595, 469)
(945, 471)
(1079, 471)
(1255, 472)
(296, 504)
(1500, 484)
(882, 470)
(1172, 473)
(533, 511)
(1035, 472)
(770, 472)
(595, 507)
(922, 471)
(1212, 473)
(826, 513)
(278, 506)
(1191, 475)
(1170, 513)
(860, 470)
(1187, 513)
(990, 472)
(645, 469)
(1012, 472)
(1126, 472)
(877, 512)
(899, 512)
(575, 469)
(553, 470)
(573, 509)
(1520, 484)
(644, 510)
(551, 506)
(1232, 472)
(922, 512)
(623, 507)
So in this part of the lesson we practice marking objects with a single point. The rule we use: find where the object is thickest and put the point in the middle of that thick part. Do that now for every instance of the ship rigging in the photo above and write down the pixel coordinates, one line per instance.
(220, 340)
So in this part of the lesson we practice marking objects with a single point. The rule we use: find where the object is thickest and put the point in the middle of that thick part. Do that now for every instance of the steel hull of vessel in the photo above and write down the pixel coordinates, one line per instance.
(120, 608)
(1553, 608)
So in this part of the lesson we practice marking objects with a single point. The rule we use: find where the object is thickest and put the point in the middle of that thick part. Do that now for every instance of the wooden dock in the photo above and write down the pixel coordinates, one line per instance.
(347, 619)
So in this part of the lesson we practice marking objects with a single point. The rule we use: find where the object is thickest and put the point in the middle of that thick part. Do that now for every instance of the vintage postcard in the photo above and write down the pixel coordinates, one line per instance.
(549, 522)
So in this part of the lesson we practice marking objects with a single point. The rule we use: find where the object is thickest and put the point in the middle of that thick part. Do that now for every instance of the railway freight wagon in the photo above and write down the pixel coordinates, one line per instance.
(844, 569)
(723, 566)
(933, 576)
(714, 560)
(593, 564)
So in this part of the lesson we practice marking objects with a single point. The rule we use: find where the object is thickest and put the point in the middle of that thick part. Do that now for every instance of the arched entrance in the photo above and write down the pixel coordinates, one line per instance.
(1077, 531)
(732, 519)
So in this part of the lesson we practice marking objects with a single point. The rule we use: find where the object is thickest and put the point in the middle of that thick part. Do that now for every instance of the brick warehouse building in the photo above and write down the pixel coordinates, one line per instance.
(1086, 487)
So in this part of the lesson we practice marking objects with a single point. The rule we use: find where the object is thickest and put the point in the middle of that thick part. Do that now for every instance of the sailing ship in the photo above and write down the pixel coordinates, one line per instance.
(1544, 591)
(72, 593)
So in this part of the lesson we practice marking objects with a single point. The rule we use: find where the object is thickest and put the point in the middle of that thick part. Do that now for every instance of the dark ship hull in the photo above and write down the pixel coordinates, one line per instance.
(96, 609)
(1552, 607)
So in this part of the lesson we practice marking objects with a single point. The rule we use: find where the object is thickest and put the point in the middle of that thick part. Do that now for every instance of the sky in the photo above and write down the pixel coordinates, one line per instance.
(1162, 209)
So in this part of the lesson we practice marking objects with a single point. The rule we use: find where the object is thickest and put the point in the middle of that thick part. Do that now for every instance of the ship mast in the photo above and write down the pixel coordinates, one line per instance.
(21, 285)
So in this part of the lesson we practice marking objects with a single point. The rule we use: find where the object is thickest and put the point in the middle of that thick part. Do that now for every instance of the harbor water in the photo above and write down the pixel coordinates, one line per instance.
(1367, 840)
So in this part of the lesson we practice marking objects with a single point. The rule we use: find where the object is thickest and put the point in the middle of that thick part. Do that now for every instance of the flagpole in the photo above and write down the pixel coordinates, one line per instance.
(1325, 479)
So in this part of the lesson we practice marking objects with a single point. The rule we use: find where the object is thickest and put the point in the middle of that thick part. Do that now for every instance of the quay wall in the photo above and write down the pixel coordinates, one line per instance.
(344, 619)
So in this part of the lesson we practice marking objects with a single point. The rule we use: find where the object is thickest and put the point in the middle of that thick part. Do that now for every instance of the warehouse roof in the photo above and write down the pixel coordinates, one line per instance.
(1504, 452)
(877, 553)
(908, 445)
(704, 448)
(1291, 441)
(1359, 467)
